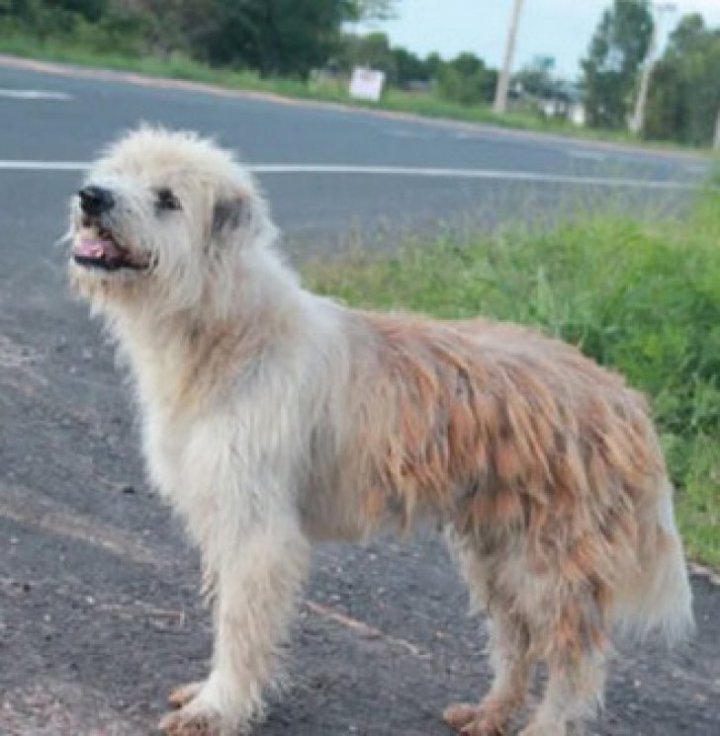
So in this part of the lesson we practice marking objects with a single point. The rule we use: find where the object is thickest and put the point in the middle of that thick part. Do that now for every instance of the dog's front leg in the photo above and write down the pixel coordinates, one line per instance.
(258, 582)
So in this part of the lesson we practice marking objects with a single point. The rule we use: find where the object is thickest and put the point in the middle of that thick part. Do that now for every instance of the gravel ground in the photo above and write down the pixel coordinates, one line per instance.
(99, 608)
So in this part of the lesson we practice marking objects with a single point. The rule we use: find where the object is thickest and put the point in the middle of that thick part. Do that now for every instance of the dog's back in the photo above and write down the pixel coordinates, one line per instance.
(548, 472)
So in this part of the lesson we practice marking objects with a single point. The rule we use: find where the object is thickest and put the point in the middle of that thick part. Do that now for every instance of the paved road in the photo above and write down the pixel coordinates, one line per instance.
(313, 208)
(99, 612)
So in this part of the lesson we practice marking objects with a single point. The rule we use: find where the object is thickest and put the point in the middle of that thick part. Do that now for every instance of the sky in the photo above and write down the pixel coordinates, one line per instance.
(558, 28)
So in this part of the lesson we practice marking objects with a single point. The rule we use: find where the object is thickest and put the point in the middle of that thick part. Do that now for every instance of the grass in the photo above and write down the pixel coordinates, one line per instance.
(178, 66)
(642, 298)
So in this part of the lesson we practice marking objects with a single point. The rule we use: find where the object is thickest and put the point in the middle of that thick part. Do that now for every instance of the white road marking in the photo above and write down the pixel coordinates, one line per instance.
(44, 166)
(34, 94)
(487, 174)
(403, 171)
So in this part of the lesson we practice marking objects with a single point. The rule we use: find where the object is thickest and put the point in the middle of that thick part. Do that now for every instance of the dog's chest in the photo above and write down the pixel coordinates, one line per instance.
(185, 460)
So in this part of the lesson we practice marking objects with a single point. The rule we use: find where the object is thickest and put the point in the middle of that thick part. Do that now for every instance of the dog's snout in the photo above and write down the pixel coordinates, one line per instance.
(95, 200)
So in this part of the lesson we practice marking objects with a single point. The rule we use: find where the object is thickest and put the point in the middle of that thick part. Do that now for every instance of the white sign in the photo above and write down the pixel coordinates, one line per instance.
(366, 84)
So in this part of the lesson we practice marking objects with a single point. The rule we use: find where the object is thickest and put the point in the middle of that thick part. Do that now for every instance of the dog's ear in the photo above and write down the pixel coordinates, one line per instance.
(228, 214)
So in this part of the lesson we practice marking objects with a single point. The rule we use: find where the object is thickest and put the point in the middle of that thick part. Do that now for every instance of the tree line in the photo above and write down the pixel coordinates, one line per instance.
(684, 99)
(273, 37)
(276, 38)
(290, 38)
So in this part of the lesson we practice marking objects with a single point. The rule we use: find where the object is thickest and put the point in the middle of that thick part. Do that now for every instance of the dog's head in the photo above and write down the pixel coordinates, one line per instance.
(159, 216)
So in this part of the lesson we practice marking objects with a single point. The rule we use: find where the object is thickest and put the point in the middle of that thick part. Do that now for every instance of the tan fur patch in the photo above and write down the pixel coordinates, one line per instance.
(496, 425)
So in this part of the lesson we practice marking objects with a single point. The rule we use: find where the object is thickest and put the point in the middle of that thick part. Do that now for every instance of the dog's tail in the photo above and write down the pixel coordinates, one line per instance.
(659, 596)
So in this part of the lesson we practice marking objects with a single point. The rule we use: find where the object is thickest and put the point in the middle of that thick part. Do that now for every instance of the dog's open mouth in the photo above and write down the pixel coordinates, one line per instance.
(99, 249)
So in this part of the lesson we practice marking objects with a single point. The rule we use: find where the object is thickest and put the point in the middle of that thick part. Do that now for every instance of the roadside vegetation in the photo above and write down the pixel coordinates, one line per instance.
(307, 49)
(180, 67)
(641, 298)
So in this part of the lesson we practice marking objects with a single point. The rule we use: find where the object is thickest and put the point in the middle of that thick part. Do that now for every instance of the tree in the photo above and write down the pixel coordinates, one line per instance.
(535, 79)
(467, 80)
(433, 62)
(685, 96)
(273, 36)
(409, 67)
(21, 9)
(371, 50)
(359, 10)
(48, 18)
(616, 53)
(91, 10)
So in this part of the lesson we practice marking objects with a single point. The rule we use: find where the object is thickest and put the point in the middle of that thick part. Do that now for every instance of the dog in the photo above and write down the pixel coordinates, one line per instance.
(273, 418)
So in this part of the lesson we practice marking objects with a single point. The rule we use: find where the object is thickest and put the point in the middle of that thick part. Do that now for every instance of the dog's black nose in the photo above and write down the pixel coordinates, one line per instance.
(95, 200)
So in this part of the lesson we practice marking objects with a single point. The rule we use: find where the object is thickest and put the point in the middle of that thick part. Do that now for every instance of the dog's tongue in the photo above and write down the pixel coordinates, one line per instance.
(96, 248)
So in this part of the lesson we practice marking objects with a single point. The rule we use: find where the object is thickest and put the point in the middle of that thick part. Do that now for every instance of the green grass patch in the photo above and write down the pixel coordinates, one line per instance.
(87, 48)
(642, 298)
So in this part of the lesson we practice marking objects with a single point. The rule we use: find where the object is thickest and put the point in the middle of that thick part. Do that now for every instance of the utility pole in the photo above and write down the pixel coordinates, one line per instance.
(637, 122)
(503, 85)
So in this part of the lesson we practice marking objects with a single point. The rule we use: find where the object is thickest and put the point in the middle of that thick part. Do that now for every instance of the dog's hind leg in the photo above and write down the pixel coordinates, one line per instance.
(509, 641)
(511, 661)
(576, 663)
(573, 694)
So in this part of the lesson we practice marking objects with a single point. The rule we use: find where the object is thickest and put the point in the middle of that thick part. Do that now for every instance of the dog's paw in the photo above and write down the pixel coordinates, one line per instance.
(474, 720)
(457, 716)
(183, 694)
(191, 722)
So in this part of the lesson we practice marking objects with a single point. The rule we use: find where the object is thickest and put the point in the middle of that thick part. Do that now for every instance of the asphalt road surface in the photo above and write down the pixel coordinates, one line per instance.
(99, 608)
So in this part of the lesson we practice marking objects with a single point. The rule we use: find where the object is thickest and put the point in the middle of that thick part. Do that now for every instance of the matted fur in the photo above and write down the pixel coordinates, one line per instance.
(274, 418)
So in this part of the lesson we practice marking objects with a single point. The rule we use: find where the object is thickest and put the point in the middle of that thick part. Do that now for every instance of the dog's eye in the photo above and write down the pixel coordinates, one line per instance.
(166, 200)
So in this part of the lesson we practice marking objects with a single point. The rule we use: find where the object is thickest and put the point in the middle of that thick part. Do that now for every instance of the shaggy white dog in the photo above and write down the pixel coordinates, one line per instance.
(273, 417)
